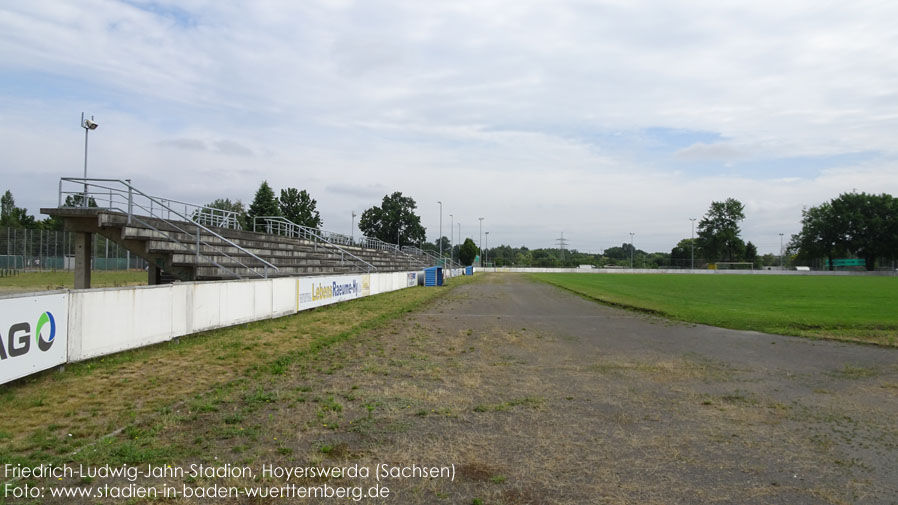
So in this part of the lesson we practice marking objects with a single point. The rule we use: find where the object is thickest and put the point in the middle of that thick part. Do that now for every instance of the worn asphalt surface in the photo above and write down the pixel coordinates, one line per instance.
(546, 397)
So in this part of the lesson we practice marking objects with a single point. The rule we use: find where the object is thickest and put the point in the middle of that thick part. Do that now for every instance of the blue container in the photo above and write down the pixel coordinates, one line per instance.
(433, 276)
(469, 270)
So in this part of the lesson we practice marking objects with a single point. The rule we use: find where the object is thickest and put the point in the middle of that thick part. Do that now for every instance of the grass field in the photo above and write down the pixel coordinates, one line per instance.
(118, 409)
(861, 309)
(44, 281)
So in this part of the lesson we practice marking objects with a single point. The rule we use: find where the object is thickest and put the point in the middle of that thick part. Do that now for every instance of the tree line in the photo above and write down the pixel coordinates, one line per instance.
(292, 204)
(853, 224)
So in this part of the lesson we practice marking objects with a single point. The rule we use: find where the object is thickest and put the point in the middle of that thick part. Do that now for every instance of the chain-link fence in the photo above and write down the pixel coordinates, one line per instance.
(35, 250)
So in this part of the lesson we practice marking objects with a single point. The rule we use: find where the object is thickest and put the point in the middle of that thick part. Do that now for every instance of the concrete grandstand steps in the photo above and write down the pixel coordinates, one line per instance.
(172, 247)
(205, 272)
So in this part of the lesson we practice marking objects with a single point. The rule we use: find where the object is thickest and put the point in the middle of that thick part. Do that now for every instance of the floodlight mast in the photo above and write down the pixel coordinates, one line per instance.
(480, 243)
(88, 125)
(352, 229)
(451, 235)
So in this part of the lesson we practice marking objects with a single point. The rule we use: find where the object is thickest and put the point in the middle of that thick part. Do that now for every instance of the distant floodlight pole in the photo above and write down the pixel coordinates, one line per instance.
(451, 228)
(693, 242)
(782, 265)
(459, 241)
(480, 244)
(631, 250)
(88, 125)
(440, 238)
(486, 251)
(352, 229)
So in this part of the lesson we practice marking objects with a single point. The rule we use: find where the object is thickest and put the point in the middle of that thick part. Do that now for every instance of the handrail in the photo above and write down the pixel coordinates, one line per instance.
(280, 225)
(127, 197)
(444, 261)
(210, 216)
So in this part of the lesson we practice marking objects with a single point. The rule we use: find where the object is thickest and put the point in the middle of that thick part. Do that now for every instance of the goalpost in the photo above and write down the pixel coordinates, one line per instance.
(732, 265)
(12, 261)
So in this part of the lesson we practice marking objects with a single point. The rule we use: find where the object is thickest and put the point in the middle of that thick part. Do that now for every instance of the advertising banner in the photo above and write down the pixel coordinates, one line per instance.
(412, 280)
(318, 291)
(366, 285)
(32, 334)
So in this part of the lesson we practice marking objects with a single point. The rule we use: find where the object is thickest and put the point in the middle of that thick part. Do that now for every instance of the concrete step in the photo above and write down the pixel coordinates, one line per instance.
(204, 273)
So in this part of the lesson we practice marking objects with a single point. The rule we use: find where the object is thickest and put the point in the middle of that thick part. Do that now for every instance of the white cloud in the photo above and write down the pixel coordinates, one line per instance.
(720, 151)
(496, 108)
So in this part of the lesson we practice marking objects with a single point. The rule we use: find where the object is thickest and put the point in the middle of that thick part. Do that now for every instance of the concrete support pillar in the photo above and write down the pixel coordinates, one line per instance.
(153, 275)
(82, 259)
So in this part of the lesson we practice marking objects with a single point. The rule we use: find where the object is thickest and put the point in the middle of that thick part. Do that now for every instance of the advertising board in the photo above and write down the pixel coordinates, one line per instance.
(33, 334)
(318, 291)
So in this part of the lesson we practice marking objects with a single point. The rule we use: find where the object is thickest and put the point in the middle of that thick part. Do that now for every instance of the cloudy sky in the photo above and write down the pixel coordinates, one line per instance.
(591, 118)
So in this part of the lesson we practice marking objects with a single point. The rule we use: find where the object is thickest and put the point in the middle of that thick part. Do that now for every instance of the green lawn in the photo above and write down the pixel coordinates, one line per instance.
(43, 281)
(863, 309)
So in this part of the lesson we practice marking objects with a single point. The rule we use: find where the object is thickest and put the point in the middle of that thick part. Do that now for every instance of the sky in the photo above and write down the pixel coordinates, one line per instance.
(595, 119)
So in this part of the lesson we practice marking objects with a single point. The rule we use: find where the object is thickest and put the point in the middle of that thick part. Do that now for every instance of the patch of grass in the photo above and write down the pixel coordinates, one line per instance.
(843, 308)
(103, 399)
(855, 372)
(518, 402)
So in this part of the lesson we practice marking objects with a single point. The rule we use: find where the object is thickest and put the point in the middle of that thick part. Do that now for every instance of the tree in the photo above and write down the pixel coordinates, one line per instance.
(12, 216)
(718, 231)
(394, 221)
(751, 252)
(75, 201)
(264, 204)
(235, 207)
(7, 209)
(861, 224)
(870, 223)
(445, 242)
(467, 252)
(681, 255)
(299, 207)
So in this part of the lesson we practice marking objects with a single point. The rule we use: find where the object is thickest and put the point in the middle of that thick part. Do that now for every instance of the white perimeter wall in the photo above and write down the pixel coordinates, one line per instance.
(879, 273)
(105, 321)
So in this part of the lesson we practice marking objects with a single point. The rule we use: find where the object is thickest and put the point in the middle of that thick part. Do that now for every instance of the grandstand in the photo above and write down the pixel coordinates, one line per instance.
(182, 241)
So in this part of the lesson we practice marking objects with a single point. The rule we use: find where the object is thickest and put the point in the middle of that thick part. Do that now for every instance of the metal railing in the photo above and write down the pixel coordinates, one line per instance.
(373, 243)
(278, 225)
(207, 216)
(444, 261)
(120, 196)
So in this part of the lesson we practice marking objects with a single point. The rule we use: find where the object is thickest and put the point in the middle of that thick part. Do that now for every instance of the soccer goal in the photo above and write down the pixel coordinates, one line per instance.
(12, 261)
(733, 265)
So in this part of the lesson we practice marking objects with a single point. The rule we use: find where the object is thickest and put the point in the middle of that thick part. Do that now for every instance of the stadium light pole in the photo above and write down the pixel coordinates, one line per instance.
(782, 265)
(451, 228)
(352, 228)
(487, 254)
(88, 125)
(693, 243)
(440, 238)
(480, 243)
(631, 250)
